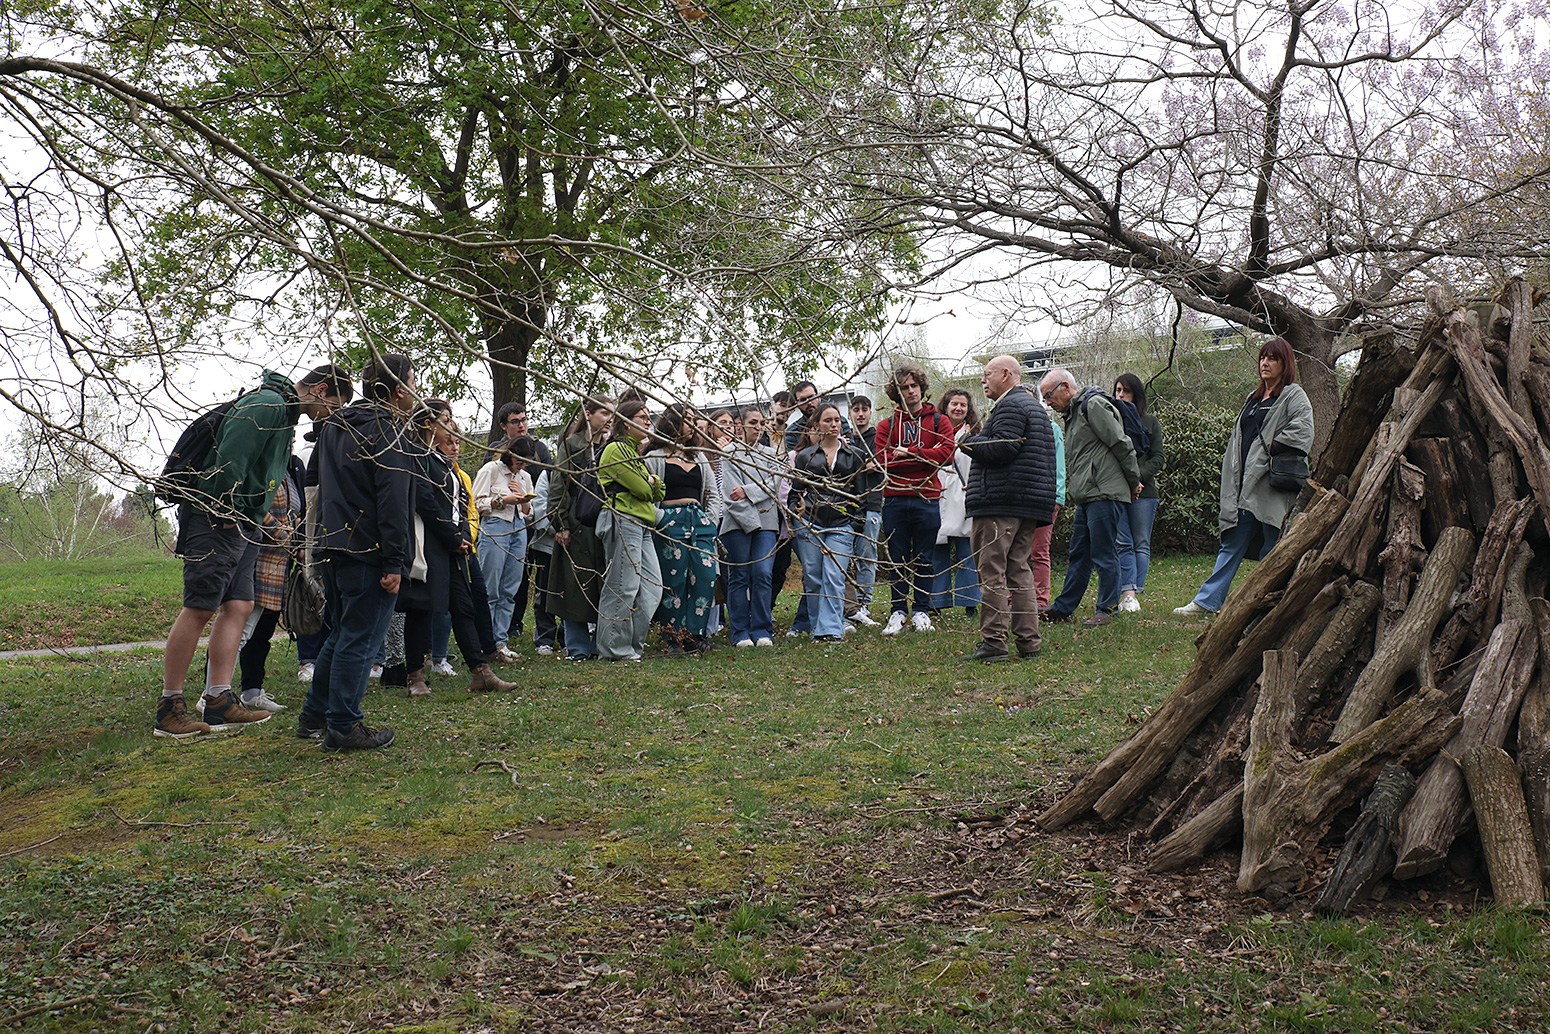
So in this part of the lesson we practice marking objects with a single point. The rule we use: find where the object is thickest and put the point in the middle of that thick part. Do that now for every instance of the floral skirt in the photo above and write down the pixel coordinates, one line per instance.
(686, 546)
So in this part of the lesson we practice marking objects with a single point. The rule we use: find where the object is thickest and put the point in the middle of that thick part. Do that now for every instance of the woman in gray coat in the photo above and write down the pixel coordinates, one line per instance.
(1276, 417)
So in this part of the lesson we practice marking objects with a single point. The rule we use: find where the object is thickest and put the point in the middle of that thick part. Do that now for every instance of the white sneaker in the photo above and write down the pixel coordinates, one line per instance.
(443, 667)
(304, 674)
(849, 628)
(921, 620)
(895, 623)
(1192, 610)
(792, 633)
(861, 617)
(546, 651)
(376, 671)
(265, 702)
(505, 656)
(1128, 603)
(743, 644)
(765, 640)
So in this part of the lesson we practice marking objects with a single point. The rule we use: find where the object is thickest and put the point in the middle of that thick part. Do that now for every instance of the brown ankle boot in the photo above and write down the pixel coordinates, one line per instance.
(418, 687)
(483, 680)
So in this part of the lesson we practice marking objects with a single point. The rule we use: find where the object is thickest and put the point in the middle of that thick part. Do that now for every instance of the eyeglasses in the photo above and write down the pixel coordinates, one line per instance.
(804, 400)
(1050, 392)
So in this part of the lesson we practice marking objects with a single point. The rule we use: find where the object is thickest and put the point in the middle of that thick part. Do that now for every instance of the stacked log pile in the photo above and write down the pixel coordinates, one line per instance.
(1386, 668)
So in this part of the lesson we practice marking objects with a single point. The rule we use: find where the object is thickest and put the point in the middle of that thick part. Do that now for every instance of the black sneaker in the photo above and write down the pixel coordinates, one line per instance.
(987, 653)
(1054, 617)
(1028, 655)
(309, 727)
(360, 737)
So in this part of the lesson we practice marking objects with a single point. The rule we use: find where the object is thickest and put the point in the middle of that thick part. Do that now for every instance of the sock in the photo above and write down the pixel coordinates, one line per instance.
(250, 695)
(216, 692)
(172, 692)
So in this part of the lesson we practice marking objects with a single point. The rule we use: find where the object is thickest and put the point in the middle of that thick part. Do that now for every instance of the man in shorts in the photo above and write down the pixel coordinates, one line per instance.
(218, 539)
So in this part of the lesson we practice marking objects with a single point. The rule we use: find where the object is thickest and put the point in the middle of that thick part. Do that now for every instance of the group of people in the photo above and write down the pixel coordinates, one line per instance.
(678, 520)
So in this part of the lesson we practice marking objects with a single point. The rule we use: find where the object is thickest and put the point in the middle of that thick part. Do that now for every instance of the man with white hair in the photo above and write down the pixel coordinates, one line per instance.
(1102, 475)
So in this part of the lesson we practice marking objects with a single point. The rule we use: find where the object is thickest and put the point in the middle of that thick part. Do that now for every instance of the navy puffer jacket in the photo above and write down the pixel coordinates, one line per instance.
(1013, 474)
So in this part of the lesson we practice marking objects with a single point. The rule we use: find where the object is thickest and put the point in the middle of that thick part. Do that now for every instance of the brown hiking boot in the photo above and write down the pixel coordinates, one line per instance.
(418, 687)
(172, 720)
(486, 681)
(225, 713)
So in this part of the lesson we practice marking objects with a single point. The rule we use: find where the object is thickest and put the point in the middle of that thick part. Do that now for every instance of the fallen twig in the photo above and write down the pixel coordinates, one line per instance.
(496, 762)
(179, 825)
(68, 1003)
(30, 847)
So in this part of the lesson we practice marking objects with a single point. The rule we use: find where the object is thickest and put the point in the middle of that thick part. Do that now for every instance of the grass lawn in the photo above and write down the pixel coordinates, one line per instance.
(791, 839)
(121, 599)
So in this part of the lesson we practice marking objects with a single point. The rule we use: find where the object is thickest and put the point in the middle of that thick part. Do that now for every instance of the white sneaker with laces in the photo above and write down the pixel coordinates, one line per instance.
(921, 620)
(546, 651)
(304, 674)
(505, 656)
(765, 640)
(1192, 610)
(443, 667)
(849, 628)
(1129, 603)
(895, 623)
(861, 617)
(376, 671)
(743, 644)
(792, 633)
(264, 702)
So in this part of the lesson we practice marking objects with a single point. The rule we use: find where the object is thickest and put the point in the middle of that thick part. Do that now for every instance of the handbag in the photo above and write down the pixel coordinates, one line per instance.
(1288, 468)
(304, 603)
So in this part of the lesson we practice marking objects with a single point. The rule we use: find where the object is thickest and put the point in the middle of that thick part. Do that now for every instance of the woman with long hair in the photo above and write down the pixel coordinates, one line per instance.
(574, 504)
(632, 584)
(956, 579)
(503, 494)
(1134, 540)
(829, 512)
(750, 521)
(1276, 417)
(685, 538)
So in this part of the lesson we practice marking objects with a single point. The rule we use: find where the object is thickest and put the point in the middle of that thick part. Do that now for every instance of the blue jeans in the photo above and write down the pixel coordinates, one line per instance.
(441, 634)
(910, 524)
(632, 586)
(502, 554)
(1094, 533)
(750, 562)
(957, 581)
(1135, 544)
(578, 639)
(359, 610)
(864, 548)
(1236, 541)
(825, 554)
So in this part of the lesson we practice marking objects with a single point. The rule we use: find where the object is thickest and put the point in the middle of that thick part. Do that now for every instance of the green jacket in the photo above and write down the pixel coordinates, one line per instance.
(631, 488)
(1100, 460)
(252, 449)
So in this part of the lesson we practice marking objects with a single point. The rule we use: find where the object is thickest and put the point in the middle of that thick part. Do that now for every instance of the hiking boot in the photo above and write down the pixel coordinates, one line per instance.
(310, 727)
(360, 737)
(173, 722)
(1098, 620)
(417, 684)
(988, 654)
(483, 680)
(225, 713)
(1028, 655)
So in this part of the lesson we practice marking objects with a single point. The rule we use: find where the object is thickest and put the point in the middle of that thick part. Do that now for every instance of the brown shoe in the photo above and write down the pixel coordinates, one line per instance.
(1098, 620)
(172, 720)
(417, 684)
(225, 713)
(483, 680)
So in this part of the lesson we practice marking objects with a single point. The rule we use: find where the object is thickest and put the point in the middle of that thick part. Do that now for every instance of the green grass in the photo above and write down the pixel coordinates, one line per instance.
(121, 599)
(754, 840)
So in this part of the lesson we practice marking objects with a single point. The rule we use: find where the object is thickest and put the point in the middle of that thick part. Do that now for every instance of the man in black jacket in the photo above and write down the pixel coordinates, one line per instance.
(365, 548)
(1011, 493)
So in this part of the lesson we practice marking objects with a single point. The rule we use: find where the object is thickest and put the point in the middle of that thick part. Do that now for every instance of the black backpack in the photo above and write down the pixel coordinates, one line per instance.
(179, 479)
(1127, 413)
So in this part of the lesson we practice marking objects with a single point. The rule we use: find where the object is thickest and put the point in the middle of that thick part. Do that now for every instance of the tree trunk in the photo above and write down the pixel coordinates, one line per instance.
(1207, 830)
(1504, 828)
(1368, 855)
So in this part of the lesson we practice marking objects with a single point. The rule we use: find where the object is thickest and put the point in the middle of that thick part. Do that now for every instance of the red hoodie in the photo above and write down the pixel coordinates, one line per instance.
(928, 437)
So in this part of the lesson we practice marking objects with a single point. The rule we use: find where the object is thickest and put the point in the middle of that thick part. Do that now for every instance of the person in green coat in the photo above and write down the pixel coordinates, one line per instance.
(632, 585)
(574, 505)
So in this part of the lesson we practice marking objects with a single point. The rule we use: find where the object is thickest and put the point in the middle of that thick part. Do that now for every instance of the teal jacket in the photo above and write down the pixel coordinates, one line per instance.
(1100, 459)
(252, 449)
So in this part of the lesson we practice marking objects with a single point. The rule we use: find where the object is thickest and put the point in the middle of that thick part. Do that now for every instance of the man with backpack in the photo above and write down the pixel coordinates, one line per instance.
(1102, 475)
(223, 474)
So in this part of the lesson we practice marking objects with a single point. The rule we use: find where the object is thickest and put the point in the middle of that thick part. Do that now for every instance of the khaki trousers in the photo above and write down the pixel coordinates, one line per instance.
(1002, 548)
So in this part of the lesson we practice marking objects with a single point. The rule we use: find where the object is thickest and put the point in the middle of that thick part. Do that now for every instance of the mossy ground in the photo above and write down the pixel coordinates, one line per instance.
(753, 840)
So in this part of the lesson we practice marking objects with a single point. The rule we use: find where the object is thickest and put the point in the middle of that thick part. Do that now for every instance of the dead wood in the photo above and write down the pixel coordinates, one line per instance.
(1209, 829)
(1444, 504)
(1404, 553)
(1465, 625)
(1510, 855)
(1368, 855)
(1335, 643)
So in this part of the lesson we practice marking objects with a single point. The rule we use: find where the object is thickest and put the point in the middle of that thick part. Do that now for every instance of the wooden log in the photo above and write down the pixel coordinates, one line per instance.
(1439, 810)
(1208, 830)
(1467, 622)
(1536, 381)
(1514, 559)
(1368, 855)
(1408, 648)
(1444, 504)
(1383, 367)
(1336, 641)
(1469, 454)
(1510, 856)
(1534, 767)
(1289, 802)
(1519, 299)
(1433, 366)
(1176, 717)
(1464, 343)
(1403, 554)
(1534, 739)
(1202, 776)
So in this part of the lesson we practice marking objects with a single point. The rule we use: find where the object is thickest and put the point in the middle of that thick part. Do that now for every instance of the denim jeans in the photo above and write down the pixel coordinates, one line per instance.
(865, 551)
(632, 586)
(502, 555)
(359, 610)
(1094, 533)
(825, 554)
(750, 561)
(578, 639)
(1235, 547)
(910, 524)
(956, 580)
(1135, 544)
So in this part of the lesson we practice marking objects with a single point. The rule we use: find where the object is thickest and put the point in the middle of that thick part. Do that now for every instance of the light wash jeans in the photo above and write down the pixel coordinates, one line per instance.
(632, 586)
(825, 553)
(1134, 544)
(957, 579)
(864, 549)
(1235, 547)
(502, 553)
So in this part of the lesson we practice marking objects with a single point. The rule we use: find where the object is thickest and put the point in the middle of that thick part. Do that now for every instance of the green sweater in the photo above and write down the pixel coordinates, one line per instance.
(630, 487)
(252, 448)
